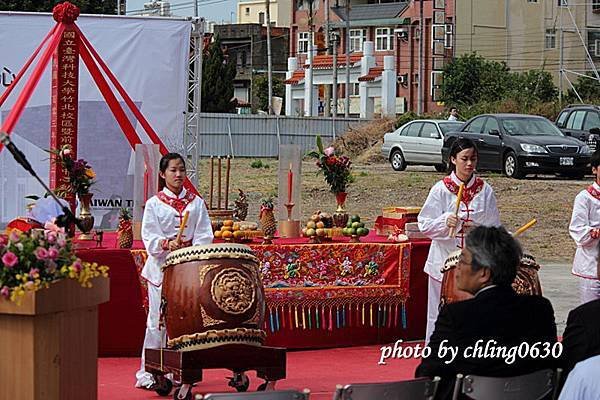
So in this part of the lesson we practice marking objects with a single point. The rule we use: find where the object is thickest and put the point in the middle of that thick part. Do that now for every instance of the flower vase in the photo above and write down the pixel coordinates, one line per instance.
(85, 216)
(340, 217)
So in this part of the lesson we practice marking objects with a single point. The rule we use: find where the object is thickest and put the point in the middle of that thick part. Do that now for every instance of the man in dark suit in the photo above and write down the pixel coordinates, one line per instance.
(487, 330)
(582, 335)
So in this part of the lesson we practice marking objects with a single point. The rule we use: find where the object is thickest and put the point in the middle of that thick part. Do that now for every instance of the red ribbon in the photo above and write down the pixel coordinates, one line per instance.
(17, 110)
(25, 67)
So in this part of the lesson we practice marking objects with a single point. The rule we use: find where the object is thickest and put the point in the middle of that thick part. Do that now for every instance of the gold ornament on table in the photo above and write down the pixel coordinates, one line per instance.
(268, 223)
(125, 230)
(241, 206)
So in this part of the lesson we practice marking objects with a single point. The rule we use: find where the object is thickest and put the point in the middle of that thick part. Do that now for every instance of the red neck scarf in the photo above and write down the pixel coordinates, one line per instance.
(177, 203)
(468, 192)
(594, 192)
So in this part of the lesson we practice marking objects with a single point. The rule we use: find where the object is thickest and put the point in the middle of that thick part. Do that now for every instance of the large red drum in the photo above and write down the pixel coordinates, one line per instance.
(212, 295)
(526, 282)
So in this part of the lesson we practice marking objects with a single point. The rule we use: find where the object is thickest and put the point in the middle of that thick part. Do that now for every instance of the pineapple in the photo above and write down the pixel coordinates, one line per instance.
(125, 231)
(267, 219)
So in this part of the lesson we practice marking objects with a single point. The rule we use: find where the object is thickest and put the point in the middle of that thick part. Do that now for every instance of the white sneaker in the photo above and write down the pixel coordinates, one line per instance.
(145, 382)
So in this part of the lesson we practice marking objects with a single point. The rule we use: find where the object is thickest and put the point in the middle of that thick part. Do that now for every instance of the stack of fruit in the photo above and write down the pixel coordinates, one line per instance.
(315, 228)
(238, 231)
(355, 228)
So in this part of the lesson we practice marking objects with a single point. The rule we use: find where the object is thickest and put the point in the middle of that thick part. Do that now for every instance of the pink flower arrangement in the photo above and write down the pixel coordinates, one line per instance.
(81, 174)
(337, 170)
(32, 261)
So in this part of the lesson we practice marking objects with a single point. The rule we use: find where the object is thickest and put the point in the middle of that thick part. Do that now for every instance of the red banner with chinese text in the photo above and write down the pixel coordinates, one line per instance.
(64, 109)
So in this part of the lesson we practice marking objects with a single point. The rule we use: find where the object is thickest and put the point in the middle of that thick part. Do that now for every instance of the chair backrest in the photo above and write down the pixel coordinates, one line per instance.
(533, 386)
(414, 389)
(266, 395)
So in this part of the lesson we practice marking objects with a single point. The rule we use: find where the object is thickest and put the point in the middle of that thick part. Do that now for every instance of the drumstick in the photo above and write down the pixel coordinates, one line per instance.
(182, 226)
(458, 199)
(525, 227)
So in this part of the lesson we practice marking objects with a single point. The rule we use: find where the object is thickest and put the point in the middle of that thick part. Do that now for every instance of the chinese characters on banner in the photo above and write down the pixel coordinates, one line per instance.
(63, 120)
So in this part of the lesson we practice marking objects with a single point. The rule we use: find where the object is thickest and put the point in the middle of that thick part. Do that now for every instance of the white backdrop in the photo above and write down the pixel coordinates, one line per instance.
(149, 56)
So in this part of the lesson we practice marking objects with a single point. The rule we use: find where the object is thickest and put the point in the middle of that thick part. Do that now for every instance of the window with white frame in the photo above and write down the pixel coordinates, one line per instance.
(357, 37)
(354, 89)
(550, 39)
(247, 10)
(384, 39)
(303, 38)
(532, 1)
(595, 6)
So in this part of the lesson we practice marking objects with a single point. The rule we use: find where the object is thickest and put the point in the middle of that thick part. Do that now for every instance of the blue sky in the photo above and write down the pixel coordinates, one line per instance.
(213, 10)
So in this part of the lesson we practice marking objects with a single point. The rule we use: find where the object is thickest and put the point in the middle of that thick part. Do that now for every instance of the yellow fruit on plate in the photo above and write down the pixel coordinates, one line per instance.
(310, 232)
(218, 234)
(320, 224)
(238, 234)
(227, 234)
(311, 225)
(228, 222)
(236, 226)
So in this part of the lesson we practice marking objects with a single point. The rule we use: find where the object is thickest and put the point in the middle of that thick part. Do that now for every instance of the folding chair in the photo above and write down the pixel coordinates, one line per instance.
(534, 386)
(267, 395)
(414, 389)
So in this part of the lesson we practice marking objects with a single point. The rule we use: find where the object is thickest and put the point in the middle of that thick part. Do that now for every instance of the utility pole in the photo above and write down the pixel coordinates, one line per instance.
(421, 51)
(269, 59)
(335, 37)
(311, 39)
(560, 58)
(347, 105)
(118, 7)
(327, 108)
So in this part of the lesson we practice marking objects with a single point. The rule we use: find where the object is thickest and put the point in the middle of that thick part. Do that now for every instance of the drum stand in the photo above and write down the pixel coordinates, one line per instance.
(186, 366)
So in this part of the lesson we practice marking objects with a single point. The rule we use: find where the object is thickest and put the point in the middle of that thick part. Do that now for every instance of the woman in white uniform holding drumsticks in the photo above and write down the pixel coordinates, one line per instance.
(447, 215)
(173, 219)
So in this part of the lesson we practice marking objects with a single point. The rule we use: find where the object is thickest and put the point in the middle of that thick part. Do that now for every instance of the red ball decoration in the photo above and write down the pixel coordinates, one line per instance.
(65, 12)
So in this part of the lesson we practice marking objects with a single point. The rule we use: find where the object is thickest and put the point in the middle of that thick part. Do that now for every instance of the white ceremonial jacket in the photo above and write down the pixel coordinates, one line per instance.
(586, 216)
(163, 215)
(478, 206)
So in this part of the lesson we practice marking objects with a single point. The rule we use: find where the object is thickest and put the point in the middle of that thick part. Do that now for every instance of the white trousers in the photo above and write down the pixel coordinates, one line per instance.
(589, 289)
(155, 337)
(434, 292)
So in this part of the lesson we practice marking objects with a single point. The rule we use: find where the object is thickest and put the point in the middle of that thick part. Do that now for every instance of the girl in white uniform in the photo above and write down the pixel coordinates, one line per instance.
(585, 230)
(437, 218)
(163, 215)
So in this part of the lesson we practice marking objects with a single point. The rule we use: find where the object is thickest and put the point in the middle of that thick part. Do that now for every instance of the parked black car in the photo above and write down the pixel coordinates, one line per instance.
(581, 121)
(522, 144)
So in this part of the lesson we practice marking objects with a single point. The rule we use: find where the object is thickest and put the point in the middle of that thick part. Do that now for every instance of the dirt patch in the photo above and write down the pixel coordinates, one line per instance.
(547, 199)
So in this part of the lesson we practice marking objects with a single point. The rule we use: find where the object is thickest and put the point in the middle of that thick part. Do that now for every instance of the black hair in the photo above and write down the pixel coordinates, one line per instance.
(595, 160)
(459, 145)
(453, 108)
(164, 164)
(494, 248)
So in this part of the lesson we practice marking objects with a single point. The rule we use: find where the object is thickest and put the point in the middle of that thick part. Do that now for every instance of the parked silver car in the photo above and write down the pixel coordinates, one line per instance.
(418, 142)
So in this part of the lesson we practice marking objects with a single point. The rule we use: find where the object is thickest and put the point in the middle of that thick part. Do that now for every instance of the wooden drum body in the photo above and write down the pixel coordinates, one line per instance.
(212, 295)
(526, 282)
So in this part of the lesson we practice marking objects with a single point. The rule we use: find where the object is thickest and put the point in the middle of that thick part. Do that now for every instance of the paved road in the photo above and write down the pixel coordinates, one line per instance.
(561, 288)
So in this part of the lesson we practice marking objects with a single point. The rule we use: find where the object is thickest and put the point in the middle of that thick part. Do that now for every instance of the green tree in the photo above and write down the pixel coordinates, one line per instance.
(86, 6)
(261, 88)
(533, 86)
(218, 73)
(588, 89)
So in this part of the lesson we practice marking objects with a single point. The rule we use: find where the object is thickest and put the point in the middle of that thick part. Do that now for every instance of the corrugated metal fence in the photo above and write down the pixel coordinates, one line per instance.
(261, 135)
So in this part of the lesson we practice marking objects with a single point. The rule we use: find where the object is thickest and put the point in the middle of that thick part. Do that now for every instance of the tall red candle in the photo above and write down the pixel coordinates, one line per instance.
(290, 180)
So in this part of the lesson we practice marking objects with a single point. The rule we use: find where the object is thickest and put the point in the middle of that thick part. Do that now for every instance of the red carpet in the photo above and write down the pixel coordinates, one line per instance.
(317, 370)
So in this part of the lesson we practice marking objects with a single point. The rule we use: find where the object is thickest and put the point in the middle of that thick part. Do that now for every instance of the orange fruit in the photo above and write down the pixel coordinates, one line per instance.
(226, 228)
(218, 234)
(228, 222)
(236, 226)
(227, 234)
(238, 234)
(320, 224)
